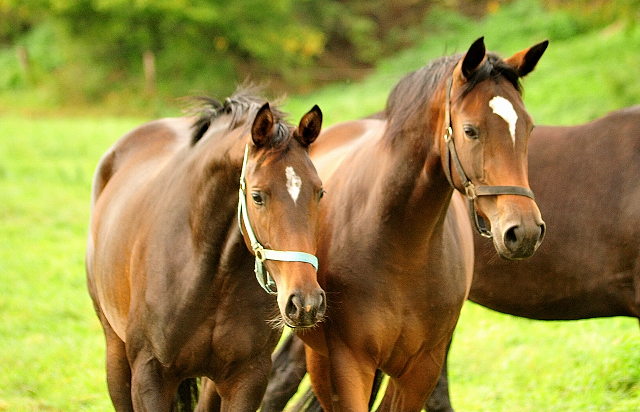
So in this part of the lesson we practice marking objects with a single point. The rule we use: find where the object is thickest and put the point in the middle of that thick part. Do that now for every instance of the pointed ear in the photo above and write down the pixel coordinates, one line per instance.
(310, 125)
(525, 61)
(473, 58)
(262, 126)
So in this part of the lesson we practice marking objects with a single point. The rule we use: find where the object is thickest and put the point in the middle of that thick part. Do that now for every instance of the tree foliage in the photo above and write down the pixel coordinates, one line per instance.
(93, 49)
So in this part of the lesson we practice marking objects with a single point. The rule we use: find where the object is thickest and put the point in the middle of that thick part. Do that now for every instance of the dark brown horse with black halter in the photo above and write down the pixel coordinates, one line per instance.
(395, 246)
(586, 183)
(180, 219)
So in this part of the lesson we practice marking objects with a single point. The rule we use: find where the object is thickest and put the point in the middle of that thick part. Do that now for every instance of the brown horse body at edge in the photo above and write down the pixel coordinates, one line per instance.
(395, 246)
(169, 269)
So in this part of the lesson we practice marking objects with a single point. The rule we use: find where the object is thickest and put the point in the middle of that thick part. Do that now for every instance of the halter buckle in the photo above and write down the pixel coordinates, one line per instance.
(258, 251)
(470, 190)
(447, 134)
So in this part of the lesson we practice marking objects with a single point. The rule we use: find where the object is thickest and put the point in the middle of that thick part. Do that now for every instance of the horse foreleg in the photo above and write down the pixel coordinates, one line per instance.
(242, 391)
(351, 376)
(118, 375)
(318, 368)
(209, 400)
(410, 391)
(151, 390)
(439, 401)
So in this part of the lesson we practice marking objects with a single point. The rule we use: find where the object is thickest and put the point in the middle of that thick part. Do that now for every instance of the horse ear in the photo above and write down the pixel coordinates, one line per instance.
(310, 125)
(473, 58)
(262, 126)
(525, 61)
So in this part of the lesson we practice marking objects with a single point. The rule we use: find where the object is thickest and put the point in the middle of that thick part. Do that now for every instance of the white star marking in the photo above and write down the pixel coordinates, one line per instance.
(294, 183)
(503, 108)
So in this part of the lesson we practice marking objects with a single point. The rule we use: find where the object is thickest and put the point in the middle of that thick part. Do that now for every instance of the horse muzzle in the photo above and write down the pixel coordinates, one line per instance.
(304, 310)
(518, 234)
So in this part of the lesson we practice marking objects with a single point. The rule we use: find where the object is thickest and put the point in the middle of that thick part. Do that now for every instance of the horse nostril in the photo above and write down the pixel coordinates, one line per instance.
(305, 311)
(511, 238)
(322, 307)
(292, 310)
(543, 231)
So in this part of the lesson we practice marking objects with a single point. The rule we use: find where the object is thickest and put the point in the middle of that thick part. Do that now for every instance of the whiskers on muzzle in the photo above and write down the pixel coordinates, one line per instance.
(277, 322)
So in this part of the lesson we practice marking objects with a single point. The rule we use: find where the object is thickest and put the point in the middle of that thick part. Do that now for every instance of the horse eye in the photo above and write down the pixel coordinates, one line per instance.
(257, 199)
(321, 194)
(471, 132)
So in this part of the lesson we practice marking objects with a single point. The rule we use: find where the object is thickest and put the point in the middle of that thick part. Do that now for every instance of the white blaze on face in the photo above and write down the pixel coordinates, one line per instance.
(503, 108)
(294, 183)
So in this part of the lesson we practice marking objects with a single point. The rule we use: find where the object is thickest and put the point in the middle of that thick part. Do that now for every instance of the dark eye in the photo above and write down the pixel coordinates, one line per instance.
(321, 194)
(257, 198)
(471, 132)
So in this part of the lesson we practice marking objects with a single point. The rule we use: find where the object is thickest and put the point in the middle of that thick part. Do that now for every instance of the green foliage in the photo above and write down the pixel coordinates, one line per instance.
(197, 45)
(90, 52)
(11, 75)
(580, 77)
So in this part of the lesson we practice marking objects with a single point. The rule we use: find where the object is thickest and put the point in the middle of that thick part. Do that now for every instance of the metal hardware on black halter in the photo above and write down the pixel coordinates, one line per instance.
(471, 191)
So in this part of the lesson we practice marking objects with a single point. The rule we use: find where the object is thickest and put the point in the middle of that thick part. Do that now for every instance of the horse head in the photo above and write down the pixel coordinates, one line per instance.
(279, 202)
(484, 152)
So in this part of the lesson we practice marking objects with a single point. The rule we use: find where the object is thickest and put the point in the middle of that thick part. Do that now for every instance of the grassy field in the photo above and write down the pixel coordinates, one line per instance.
(51, 344)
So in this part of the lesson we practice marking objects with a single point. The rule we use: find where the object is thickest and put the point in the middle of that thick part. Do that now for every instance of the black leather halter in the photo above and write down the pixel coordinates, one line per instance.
(470, 190)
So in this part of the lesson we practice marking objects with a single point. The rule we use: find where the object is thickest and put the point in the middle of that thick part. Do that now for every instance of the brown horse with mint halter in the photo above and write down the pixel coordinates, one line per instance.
(171, 275)
(264, 278)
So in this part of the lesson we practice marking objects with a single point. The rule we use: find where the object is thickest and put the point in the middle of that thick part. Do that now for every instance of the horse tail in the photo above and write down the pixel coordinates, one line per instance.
(186, 397)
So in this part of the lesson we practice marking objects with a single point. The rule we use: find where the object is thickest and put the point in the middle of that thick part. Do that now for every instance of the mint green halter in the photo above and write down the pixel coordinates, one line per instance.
(264, 278)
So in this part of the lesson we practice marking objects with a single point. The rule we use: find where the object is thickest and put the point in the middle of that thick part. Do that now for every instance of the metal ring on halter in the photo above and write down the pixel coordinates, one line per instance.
(261, 254)
(258, 251)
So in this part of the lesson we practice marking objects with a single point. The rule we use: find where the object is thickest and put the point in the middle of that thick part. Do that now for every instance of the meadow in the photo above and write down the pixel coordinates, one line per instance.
(51, 344)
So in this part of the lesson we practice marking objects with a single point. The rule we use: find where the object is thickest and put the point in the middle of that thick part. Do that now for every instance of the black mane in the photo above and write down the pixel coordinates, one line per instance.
(242, 106)
(410, 95)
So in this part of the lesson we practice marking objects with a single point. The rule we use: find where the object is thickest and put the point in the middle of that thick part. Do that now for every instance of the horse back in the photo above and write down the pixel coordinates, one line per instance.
(146, 142)
(335, 143)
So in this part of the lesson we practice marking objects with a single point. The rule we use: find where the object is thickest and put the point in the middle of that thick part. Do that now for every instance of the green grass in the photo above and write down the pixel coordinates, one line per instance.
(51, 344)
(503, 363)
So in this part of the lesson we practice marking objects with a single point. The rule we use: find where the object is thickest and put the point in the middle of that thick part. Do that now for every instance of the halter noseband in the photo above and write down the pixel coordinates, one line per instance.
(470, 190)
(264, 278)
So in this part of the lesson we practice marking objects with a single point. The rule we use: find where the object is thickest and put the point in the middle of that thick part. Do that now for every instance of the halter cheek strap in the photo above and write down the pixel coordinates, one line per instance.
(264, 278)
(470, 190)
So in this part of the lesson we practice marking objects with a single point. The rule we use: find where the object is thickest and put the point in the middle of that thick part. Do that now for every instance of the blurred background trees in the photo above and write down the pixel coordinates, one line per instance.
(87, 52)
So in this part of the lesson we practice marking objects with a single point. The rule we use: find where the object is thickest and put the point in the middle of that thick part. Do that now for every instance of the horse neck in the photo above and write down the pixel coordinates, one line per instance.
(421, 192)
(214, 189)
